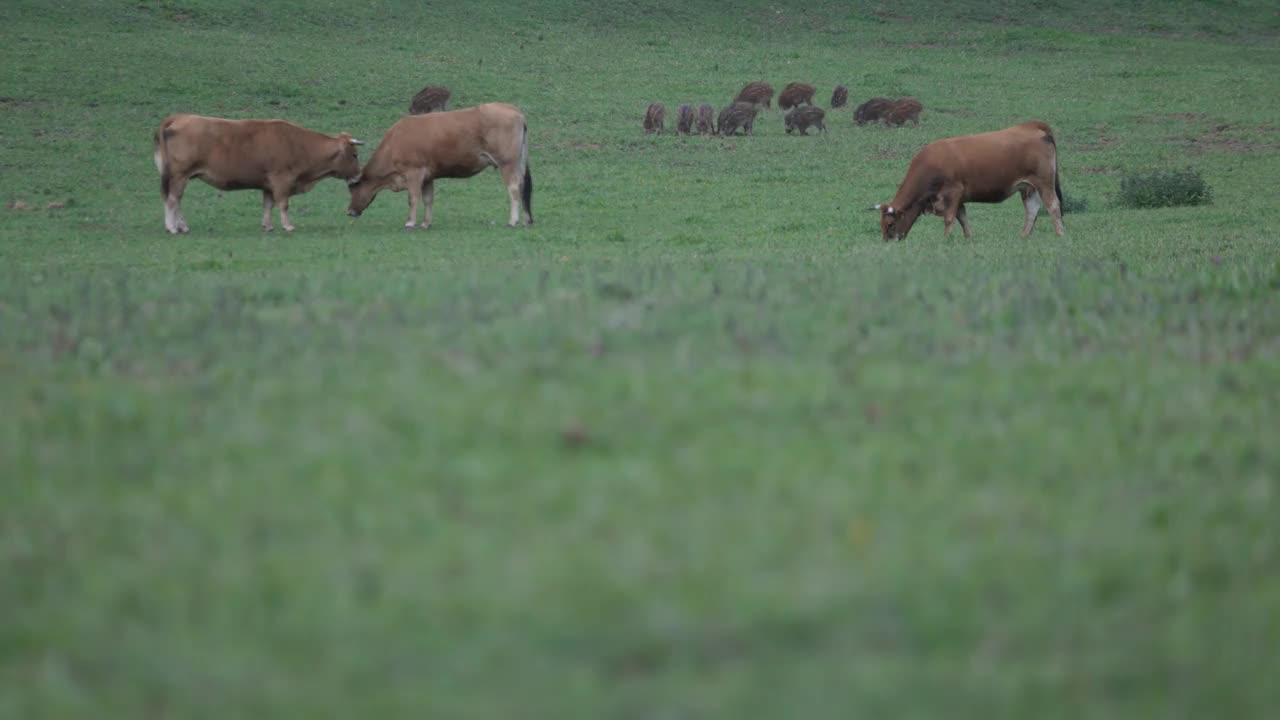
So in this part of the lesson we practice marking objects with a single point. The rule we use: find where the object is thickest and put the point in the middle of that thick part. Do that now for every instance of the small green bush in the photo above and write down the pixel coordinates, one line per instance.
(1164, 188)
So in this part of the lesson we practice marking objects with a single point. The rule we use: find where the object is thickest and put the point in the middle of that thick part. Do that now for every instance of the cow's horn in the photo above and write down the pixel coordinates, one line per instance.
(874, 207)
(354, 141)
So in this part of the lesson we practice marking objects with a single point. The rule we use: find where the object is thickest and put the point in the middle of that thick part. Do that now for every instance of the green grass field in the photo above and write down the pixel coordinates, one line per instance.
(695, 445)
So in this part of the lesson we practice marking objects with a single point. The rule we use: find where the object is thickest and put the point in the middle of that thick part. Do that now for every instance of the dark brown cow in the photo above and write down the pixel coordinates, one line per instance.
(655, 117)
(279, 158)
(756, 93)
(795, 95)
(419, 149)
(432, 98)
(985, 168)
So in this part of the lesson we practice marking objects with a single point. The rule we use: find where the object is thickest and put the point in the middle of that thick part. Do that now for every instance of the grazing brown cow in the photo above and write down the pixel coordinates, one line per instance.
(738, 115)
(904, 110)
(432, 98)
(419, 149)
(684, 120)
(655, 117)
(795, 95)
(802, 118)
(279, 158)
(985, 168)
(756, 93)
(872, 110)
(706, 119)
(839, 97)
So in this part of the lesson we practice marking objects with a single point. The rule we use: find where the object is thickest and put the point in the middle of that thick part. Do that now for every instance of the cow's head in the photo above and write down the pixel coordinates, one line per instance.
(362, 193)
(346, 161)
(895, 223)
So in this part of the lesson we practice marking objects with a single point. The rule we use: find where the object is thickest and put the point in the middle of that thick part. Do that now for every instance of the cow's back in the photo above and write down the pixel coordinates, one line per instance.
(449, 141)
(986, 162)
(240, 151)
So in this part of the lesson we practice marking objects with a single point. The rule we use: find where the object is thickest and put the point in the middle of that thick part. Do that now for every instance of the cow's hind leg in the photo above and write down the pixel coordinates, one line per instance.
(266, 211)
(512, 178)
(1046, 191)
(1030, 201)
(173, 220)
(963, 217)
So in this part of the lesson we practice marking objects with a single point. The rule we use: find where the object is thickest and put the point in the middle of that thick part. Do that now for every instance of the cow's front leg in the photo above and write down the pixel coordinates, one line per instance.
(266, 211)
(280, 187)
(414, 183)
(963, 217)
(950, 212)
(428, 200)
(282, 203)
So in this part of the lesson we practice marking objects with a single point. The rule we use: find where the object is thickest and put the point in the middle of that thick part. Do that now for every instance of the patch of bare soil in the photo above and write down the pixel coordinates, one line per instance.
(1094, 138)
(1225, 137)
(912, 43)
(1188, 116)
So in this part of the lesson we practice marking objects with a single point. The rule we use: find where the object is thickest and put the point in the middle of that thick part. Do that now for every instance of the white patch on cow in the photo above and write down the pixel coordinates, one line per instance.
(890, 210)
(159, 162)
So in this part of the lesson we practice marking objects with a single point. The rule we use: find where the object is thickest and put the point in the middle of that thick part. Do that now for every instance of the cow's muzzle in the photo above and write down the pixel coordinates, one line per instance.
(353, 212)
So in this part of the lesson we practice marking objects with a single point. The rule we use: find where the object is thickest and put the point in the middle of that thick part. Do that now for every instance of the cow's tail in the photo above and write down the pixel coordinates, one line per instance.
(526, 186)
(161, 157)
(1057, 186)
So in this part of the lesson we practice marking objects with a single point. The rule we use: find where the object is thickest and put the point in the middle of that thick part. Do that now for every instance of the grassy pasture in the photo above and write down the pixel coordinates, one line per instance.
(697, 443)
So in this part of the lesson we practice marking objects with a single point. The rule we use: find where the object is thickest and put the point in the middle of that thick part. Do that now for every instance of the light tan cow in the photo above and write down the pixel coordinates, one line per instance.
(419, 149)
(984, 168)
(277, 157)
